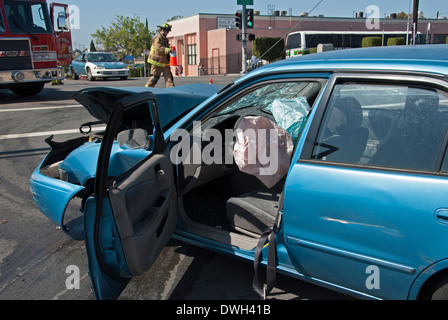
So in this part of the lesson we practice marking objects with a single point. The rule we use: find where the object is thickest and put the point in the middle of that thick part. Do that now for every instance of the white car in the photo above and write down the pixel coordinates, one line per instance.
(99, 65)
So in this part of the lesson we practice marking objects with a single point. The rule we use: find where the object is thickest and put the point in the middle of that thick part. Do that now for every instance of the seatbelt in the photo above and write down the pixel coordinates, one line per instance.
(271, 271)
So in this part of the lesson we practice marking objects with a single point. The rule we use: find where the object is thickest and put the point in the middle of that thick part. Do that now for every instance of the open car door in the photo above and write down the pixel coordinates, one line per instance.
(131, 217)
(60, 15)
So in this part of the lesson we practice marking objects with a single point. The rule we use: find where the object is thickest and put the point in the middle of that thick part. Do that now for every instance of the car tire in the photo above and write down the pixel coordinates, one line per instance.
(441, 290)
(28, 89)
(74, 75)
(90, 77)
(123, 78)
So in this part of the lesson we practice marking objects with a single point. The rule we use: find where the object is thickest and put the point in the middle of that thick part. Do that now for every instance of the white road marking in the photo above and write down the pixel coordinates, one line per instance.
(40, 108)
(45, 133)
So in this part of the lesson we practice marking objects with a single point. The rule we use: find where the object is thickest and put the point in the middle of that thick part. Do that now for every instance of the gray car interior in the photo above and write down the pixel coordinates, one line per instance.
(224, 198)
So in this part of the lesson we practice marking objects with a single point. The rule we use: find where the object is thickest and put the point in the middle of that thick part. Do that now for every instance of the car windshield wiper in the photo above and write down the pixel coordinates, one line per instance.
(23, 29)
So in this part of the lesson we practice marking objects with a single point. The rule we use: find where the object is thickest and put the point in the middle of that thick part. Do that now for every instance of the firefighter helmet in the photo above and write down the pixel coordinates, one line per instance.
(166, 27)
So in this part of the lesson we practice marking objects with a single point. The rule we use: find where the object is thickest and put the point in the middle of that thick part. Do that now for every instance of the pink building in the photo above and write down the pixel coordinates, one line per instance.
(207, 43)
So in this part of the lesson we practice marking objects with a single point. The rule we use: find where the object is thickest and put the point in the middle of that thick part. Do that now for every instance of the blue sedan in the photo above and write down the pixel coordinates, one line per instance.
(98, 65)
(331, 168)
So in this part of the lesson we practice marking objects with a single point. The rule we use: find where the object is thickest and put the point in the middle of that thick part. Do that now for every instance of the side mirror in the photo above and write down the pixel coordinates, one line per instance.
(135, 139)
(62, 21)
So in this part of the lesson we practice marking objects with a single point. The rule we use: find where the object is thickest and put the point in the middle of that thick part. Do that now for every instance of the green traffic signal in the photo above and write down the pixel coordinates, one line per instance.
(250, 18)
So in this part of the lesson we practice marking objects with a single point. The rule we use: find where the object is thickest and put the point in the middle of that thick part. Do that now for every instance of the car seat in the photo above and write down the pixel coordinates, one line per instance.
(255, 211)
(347, 138)
(415, 141)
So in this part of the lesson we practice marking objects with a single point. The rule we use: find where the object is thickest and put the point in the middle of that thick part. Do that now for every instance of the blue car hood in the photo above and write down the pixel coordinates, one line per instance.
(173, 102)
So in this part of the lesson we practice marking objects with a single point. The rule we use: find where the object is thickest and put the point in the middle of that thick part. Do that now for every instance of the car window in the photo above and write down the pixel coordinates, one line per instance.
(2, 24)
(383, 125)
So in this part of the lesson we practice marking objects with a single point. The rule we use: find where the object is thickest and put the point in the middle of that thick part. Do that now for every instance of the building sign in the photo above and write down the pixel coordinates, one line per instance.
(224, 23)
(245, 2)
(128, 58)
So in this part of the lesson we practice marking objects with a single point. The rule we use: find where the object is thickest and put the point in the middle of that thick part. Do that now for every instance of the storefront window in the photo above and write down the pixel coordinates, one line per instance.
(192, 55)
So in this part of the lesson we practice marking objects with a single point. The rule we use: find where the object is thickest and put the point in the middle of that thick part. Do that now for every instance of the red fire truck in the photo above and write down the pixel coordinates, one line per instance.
(35, 44)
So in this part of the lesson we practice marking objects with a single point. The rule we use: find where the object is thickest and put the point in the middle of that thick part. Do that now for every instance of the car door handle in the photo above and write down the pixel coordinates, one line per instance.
(442, 215)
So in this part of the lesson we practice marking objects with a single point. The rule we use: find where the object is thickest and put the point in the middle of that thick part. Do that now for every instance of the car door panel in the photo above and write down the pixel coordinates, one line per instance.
(143, 203)
(357, 225)
(337, 227)
(130, 218)
(108, 274)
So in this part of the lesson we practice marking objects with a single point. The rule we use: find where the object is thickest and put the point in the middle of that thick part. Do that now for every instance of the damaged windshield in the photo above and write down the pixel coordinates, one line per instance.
(264, 96)
(287, 104)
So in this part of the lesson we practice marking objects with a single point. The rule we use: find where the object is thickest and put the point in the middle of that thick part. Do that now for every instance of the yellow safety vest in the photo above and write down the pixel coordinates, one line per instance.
(160, 50)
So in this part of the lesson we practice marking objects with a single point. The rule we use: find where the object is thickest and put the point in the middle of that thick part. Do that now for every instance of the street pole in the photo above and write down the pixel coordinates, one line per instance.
(414, 21)
(244, 38)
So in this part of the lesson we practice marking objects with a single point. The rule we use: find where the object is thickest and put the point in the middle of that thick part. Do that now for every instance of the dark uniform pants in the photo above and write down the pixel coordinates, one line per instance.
(156, 73)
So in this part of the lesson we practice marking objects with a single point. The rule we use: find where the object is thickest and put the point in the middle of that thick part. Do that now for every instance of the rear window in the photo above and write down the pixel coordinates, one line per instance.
(294, 41)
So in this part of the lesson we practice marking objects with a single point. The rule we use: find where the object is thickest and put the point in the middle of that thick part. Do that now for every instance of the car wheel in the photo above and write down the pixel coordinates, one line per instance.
(28, 89)
(441, 290)
(74, 75)
(89, 75)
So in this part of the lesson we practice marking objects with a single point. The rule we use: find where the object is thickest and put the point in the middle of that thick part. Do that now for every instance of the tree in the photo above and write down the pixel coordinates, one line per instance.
(402, 15)
(269, 49)
(174, 18)
(125, 33)
(92, 46)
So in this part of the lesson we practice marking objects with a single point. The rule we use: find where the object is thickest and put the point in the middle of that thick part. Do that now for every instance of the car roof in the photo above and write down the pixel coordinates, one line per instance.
(419, 58)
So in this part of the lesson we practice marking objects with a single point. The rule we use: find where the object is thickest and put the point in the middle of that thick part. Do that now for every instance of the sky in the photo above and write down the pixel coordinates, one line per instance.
(95, 14)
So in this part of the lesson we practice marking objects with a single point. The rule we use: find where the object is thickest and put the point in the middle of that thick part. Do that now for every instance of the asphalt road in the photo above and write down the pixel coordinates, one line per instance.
(36, 256)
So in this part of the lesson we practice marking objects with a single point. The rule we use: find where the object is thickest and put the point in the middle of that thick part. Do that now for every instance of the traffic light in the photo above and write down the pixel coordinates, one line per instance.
(250, 18)
(239, 20)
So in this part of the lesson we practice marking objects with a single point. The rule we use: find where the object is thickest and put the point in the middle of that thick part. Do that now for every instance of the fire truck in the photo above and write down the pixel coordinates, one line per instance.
(35, 44)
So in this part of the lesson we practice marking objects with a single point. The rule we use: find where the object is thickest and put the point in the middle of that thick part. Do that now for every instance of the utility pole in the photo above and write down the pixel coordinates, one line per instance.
(414, 21)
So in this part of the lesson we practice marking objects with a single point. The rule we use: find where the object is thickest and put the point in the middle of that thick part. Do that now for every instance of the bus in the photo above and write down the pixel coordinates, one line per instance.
(300, 42)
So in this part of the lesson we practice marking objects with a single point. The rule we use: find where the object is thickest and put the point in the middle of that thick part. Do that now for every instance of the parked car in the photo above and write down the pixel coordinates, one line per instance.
(350, 196)
(98, 65)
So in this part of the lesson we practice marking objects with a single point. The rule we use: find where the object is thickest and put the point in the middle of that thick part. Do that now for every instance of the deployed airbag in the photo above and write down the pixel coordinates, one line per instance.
(291, 115)
(262, 149)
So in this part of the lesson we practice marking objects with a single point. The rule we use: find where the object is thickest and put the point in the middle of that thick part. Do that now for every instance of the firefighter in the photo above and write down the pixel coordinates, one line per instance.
(159, 58)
